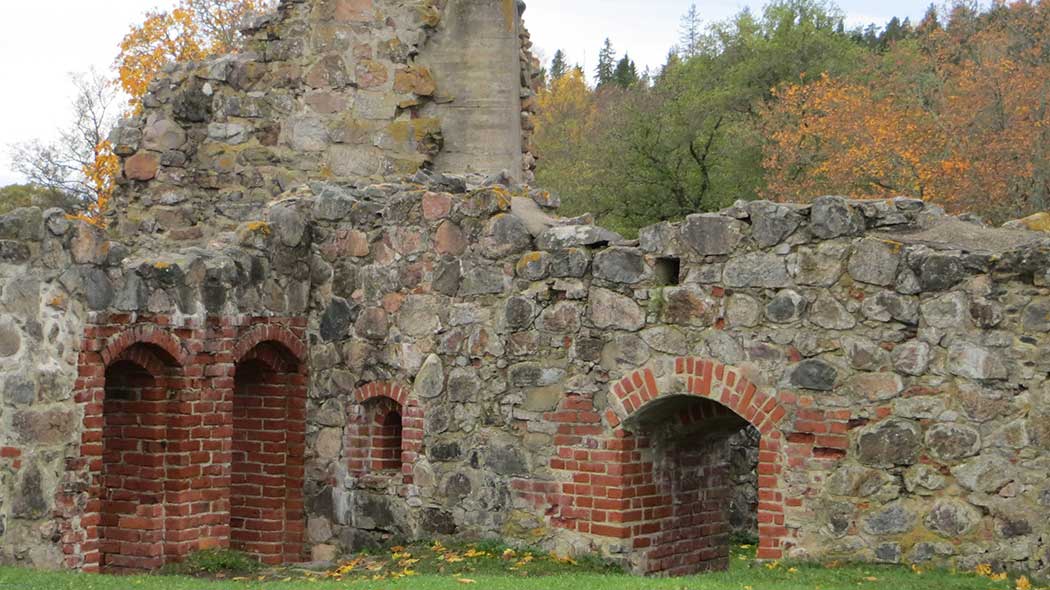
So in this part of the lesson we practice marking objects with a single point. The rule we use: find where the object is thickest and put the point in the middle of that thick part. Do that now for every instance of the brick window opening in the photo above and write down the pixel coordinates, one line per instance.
(685, 488)
(386, 441)
(266, 498)
(379, 436)
(133, 506)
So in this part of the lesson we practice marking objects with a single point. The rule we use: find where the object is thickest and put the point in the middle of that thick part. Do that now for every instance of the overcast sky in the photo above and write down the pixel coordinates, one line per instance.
(42, 41)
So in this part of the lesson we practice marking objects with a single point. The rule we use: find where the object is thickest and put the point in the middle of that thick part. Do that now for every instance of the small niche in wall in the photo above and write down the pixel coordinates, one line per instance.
(668, 271)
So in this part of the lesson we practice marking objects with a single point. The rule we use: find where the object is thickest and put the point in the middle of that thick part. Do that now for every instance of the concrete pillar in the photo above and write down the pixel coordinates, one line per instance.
(475, 59)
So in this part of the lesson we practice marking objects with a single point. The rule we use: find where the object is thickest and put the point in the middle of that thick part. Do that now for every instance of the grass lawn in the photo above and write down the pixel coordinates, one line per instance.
(435, 567)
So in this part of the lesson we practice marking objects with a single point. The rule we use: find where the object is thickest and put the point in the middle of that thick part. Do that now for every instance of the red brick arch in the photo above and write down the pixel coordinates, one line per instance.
(727, 387)
(269, 333)
(366, 436)
(607, 487)
(117, 344)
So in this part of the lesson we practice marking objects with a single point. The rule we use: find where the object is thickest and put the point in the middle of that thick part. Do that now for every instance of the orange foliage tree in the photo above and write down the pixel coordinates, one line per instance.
(958, 115)
(193, 30)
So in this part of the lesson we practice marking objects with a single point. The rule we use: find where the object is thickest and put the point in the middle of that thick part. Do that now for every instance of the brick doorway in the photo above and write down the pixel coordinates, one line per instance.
(266, 493)
(684, 486)
(137, 500)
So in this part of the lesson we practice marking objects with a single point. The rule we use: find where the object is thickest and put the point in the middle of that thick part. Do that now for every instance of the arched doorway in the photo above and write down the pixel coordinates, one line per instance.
(141, 383)
(266, 492)
(650, 474)
(684, 486)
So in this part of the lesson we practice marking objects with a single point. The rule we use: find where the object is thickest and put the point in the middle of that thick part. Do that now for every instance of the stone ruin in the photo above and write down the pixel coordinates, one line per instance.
(302, 334)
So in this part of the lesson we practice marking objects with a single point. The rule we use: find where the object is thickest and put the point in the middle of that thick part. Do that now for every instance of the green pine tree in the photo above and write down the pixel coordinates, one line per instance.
(559, 67)
(626, 73)
(606, 64)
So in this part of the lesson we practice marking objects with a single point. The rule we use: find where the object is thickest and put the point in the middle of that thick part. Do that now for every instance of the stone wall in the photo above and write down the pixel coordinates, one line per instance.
(554, 383)
(297, 338)
(328, 90)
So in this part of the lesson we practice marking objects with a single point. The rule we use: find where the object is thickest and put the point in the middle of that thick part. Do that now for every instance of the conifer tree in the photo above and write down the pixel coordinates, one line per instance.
(690, 32)
(606, 64)
(626, 73)
(559, 67)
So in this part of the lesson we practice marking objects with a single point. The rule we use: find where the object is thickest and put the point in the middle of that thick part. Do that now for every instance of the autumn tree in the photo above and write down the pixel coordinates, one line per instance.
(193, 30)
(74, 163)
(957, 116)
(690, 141)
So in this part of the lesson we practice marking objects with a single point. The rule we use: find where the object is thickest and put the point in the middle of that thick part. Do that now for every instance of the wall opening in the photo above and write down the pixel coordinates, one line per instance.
(266, 497)
(375, 441)
(668, 271)
(386, 447)
(133, 507)
(685, 487)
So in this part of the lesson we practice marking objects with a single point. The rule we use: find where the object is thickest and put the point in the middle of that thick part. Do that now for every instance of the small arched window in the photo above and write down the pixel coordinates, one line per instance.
(386, 440)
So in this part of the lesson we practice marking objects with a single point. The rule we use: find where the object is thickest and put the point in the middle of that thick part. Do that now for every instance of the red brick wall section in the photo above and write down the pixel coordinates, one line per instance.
(266, 501)
(611, 488)
(177, 453)
(376, 447)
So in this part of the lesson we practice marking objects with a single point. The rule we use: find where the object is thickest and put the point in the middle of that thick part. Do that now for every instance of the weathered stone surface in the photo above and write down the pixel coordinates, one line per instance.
(893, 519)
(912, 357)
(952, 519)
(372, 324)
(18, 390)
(519, 313)
(890, 443)
(771, 224)
(430, 381)
(572, 263)
(815, 374)
(951, 311)
(876, 387)
(337, 319)
(621, 265)
(574, 236)
(289, 225)
(561, 318)
(10, 338)
(481, 279)
(688, 306)
(711, 235)
(939, 272)
(757, 270)
(1036, 316)
(819, 267)
(875, 262)
(832, 217)
(44, 427)
(608, 309)
(951, 442)
(142, 166)
(827, 312)
(787, 307)
(29, 501)
(505, 235)
(985, 473)
(975, 362)
(163, 135)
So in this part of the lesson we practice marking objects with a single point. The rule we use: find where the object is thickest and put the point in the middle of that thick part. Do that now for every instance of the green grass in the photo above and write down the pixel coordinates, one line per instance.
(425, 567)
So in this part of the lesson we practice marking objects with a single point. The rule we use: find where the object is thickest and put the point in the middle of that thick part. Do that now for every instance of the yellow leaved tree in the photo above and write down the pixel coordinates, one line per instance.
(193, 30)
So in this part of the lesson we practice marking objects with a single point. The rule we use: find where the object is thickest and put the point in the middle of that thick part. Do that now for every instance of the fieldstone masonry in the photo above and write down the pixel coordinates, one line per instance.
(273, 350)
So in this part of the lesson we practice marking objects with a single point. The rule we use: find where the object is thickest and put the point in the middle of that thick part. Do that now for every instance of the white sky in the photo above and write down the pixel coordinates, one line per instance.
(42, 41)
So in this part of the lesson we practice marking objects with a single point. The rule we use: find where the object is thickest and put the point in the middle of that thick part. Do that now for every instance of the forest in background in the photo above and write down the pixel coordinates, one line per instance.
(789, 104)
